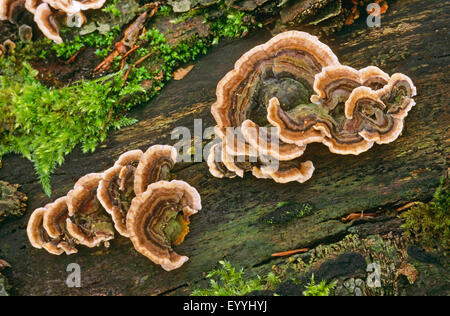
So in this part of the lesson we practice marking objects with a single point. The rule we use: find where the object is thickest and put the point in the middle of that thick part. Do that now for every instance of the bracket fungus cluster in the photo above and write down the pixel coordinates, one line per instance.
(293, 91)
(50, 14)
(135, 197)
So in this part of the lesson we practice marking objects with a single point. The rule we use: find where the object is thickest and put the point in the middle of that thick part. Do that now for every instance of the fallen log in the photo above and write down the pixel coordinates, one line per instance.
(412, 39)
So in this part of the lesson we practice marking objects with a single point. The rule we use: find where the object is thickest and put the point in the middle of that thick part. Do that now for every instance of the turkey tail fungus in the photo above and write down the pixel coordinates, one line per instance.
(158, 219)
(292, 91)
(152, 212)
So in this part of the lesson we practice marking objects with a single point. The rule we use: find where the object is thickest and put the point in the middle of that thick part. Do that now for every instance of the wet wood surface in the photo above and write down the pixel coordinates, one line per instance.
(413, 39)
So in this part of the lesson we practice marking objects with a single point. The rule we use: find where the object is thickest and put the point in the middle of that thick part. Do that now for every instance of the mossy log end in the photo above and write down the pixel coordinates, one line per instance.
(413, 39)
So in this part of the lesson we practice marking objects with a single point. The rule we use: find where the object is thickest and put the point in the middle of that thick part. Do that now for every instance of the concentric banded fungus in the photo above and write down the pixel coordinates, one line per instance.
(297, 85)
(88, 221)
(55, 225)
(155, 220)
(38, 236)
(286, 171)
(47, 23)
(35, 229)
(155, 165)
(284, 67)
(91, 4)
(46, 11)
(215, 164)
(158, 219)
(349, 114)
(116, 189)
(31, 5)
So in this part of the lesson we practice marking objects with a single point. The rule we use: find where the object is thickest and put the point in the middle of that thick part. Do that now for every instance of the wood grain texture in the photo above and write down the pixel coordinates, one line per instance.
(413, 39)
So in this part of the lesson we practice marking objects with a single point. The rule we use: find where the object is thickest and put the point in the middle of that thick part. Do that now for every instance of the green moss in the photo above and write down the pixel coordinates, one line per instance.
(321, 289)
(102, 42)
(387, 251)
(45, 124)
(230, 23)
(173, 55)
(230, 281)
(429, 222)
(164, 10)
(111, 7)
(286, 212)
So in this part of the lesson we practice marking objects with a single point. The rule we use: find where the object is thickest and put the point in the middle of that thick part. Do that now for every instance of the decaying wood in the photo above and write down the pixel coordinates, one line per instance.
(413, 39)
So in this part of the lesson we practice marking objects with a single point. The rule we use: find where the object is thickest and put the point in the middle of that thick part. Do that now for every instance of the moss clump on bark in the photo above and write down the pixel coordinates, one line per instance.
(429, 223)
(12, 201)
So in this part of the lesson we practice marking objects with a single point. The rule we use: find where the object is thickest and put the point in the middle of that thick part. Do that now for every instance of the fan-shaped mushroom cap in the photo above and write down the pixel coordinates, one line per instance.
(72, 6)
(46, 22)
(55, 226)
(158, 219)
(35, 229)
(9, 9)
(285, 67)
(116, 189)
(91, 4)
(297, 85)
(373, 77)
(82, 194)
(286, 171)
(88, 221)
(31, 5)
(335, 83)
(267, 142)
(296, 127)
(215, 163)
(38, 236)
(383, 110)
(129, 157)
(154, 165)
(236, 164)
(234, 141)
(307, 123)
(55, 217)
(67, 6)
(4, 6)
(330, 119)
(264, 71)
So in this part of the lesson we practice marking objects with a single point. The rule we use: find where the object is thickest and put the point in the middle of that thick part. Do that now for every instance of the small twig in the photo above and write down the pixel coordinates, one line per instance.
(290, 252)
(361, 216)
(143, 59)
(407, 206)
(4, 264)
(125, 77)
(130, 51)
(74, 56)
(108, 119)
